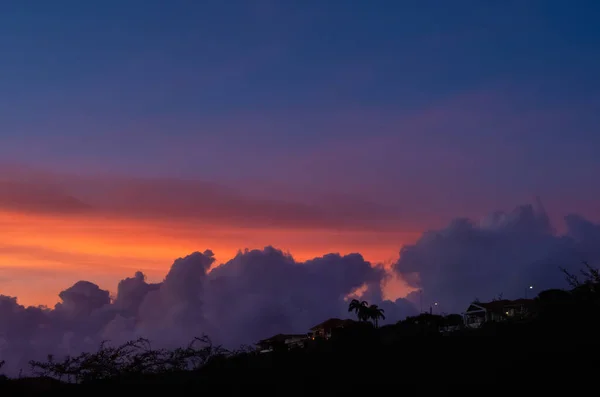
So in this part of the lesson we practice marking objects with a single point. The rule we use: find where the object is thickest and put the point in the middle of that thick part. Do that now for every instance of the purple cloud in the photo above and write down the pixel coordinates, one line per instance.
(263, 292)
(505, 253)
(256, 294)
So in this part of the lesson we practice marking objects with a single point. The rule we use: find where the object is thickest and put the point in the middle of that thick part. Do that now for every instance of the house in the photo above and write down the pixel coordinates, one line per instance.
(282, 340)
(499, 310)
(325, 329)
(451, 323)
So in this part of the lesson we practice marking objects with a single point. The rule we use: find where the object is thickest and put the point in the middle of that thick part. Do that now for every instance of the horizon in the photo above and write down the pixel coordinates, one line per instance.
(393, 284)
(104, 215)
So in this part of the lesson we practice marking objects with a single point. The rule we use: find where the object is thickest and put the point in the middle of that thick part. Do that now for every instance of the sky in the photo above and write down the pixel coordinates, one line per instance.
(133, 133)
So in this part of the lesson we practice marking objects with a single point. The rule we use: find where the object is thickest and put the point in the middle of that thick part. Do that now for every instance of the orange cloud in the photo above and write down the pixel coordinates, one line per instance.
(41, 254)
(58, 229)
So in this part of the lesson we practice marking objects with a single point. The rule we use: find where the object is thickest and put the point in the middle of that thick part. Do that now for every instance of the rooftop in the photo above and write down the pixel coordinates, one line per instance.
(332, 323)
(503, 304)
(282, 338)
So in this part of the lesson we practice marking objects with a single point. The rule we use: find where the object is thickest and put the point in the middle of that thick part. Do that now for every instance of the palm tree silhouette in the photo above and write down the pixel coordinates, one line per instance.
(375, 313)
(360, 308)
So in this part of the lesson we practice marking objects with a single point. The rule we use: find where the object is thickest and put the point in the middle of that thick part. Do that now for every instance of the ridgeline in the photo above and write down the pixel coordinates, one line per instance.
(553, 346)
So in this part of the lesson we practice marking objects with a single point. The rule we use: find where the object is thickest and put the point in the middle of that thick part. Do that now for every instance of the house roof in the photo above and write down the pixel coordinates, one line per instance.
(502, 305)
(281, 338)
(332, 323)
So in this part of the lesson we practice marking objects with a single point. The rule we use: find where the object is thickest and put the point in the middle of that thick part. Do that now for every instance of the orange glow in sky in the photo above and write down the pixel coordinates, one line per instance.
(41, 255)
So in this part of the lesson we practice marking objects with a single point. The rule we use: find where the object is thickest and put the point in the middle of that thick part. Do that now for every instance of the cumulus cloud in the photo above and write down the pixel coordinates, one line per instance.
(504, 253)
(260, 293)
(255, 295)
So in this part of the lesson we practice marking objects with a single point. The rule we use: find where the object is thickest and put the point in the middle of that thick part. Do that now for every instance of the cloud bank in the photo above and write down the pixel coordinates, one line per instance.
(503, 254)
(255, 295)
(38, 192)
(260, 293)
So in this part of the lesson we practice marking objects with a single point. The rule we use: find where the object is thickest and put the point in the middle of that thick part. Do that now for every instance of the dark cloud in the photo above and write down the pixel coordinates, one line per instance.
(256, 294)
(504, 254)
(82, 299)
(169, 198)
(38, 197)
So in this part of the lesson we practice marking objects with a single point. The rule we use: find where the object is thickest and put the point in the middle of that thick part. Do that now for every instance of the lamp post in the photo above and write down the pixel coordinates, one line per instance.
(527, 291)
(431, 307)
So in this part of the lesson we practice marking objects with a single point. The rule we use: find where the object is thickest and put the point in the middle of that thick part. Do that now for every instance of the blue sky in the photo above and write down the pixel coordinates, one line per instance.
(384, 96)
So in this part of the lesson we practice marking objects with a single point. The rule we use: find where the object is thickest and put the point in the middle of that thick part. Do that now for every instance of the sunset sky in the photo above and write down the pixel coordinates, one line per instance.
(136, 132)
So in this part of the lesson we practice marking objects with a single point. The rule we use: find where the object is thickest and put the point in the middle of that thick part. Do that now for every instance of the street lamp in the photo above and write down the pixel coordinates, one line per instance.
(527, 290)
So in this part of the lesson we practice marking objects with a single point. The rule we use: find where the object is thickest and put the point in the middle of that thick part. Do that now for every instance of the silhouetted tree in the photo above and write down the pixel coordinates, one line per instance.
(556, 306)
(584, 310)
(361, 308)
(134, 358)
(591, 277)
(423, 324)
(375, 313)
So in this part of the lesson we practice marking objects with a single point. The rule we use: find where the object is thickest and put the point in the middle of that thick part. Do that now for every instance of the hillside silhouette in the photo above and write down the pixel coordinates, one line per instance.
(553, 344)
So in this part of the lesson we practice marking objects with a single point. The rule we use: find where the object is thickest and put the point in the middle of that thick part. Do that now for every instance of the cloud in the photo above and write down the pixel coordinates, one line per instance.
(259, 293)
(256, 294)
(82, 299)
(31, 191)
(28, 197)
(504, 253)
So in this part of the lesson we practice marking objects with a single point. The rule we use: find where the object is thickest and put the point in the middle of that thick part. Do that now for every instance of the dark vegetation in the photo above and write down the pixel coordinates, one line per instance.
(554, 349)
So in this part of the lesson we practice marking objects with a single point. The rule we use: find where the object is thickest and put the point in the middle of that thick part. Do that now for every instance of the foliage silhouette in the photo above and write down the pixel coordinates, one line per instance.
(365, 312)
(361, 309)
(565, 326)
(591, 276)
(375, 313)
(133, 358)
